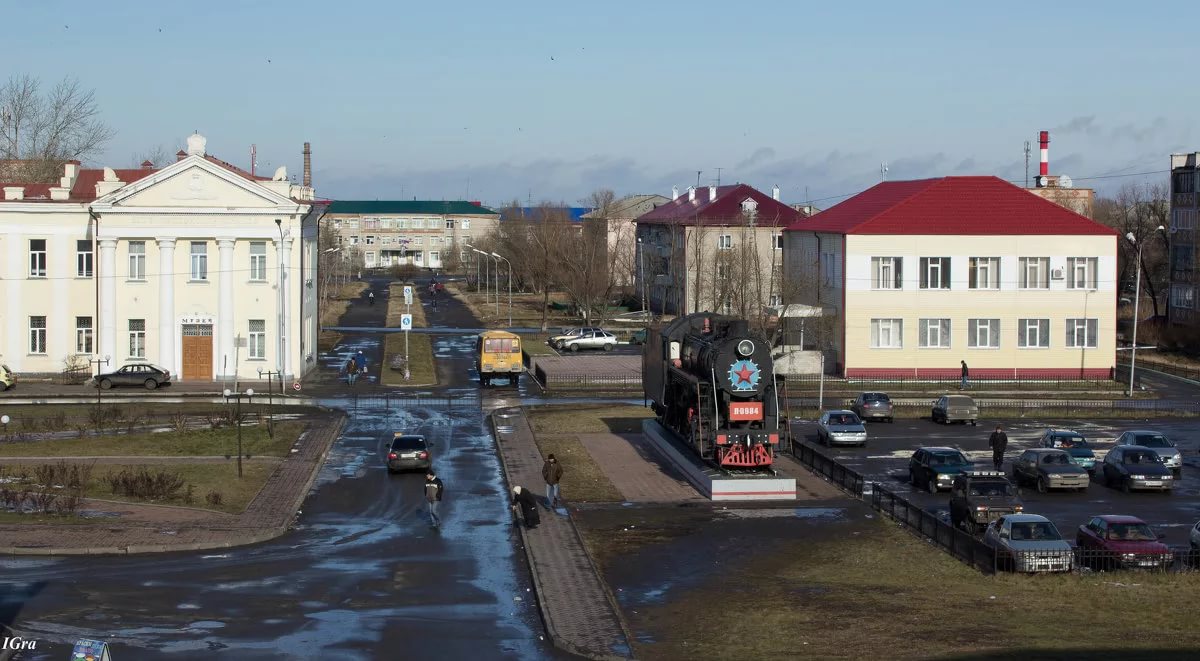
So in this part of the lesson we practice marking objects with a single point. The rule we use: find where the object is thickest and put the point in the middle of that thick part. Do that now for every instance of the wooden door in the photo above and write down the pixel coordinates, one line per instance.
(197, 352)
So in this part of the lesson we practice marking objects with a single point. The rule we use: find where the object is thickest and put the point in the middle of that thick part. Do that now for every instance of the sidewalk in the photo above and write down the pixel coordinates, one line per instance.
(268, 516)
(576, 606)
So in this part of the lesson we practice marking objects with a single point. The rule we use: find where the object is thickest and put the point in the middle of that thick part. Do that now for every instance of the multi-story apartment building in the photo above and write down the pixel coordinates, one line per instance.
(1185, 249)
(620, 218)
(717, 248)
(199, 267)
(922, 275)
(426, 234)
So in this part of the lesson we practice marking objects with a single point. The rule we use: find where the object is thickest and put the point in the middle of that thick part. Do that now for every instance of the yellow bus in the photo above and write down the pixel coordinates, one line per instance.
(498, 354)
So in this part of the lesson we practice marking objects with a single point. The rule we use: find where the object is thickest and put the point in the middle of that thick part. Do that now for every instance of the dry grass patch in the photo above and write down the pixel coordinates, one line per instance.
(422, 371)
(198, 443)
(583, 480)
(600, 418)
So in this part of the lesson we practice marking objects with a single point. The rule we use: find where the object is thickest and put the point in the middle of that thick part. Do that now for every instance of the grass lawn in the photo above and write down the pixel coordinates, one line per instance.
(420, 358)
(615, 418)
(526, 308)
(535, 345)
(204, 478)
(583, 480)
(206, 442)
(69, 417)
(49, 519)
(396, 306)
(335, 307)
(554, 429)
(870, 590)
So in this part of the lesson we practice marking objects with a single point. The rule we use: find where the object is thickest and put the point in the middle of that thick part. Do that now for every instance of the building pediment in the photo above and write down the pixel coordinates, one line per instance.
(194, 182)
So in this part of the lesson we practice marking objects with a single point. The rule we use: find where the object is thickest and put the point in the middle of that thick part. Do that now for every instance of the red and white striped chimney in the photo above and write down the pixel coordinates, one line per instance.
(1044, 139)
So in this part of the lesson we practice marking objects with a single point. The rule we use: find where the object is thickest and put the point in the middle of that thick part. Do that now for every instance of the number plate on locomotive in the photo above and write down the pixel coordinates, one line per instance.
(746, 411)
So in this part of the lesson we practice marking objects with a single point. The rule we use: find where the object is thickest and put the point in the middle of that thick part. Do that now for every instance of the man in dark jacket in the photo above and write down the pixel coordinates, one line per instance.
(998, 441)
(965, 373)
(552, 473)
(525, 500)
(433, 496)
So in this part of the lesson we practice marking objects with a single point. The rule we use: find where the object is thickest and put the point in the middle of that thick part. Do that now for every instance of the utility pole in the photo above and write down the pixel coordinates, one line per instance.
(1028, 149)
(698, 172)
(719, 176)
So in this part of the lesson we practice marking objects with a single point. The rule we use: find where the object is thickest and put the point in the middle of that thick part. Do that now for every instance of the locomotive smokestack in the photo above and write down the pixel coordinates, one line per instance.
(1044, 170)
(738, 328)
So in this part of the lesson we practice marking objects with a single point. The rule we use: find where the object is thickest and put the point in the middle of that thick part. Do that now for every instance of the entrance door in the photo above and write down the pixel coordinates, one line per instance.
(197, 352)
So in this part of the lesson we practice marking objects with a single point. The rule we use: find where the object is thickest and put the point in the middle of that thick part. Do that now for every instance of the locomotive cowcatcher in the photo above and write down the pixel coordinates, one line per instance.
(712, 382)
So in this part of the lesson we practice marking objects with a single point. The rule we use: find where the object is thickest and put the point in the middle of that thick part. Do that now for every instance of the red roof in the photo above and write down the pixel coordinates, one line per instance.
(950, 205)
(85, 184)
(235, 169)
(723, 209)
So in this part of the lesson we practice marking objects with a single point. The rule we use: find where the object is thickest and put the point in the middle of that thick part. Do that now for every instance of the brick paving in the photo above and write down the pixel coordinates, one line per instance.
(576, 606)
(637, 470)
(268, 516)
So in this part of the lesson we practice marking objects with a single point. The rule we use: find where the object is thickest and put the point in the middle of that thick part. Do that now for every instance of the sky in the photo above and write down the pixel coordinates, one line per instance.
(549, 101)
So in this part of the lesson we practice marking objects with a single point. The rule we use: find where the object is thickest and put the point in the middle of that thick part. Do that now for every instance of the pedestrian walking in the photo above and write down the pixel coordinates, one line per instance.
(965, 373)
(351, 370)
(371, 297)
(433, 496)
(527, 503)
(360, 363)
(998, 441)
(552, 473)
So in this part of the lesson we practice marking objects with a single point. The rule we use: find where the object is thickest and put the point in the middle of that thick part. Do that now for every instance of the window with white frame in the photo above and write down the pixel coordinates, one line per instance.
(776, 300)
(387, 223)
(464, 224)
(37, 258)
(462, 255)
(1081, 272)
(935, 273)
(352, 223)
(370, 240)
(435, 240)
(886, 272)
(258, 260)
(419, 241)
(37, 335)
(725, 241)
(137, 260)
(199, 260)
(435, 257)
(984, 273)
(258, 339)
(1033, 333)
(887, 333)
(370, 223)
(83, 335)
(354, 239)
(418, 257)
(137, 338)
(84, 257)
(449, 223)
(777, 240)
(1183, 297)
(983, 333)
(1183, 219)
(1035, 273)
(402, 224)
(433, 223)
(1081, 333)
(369, 259)
(935, 333)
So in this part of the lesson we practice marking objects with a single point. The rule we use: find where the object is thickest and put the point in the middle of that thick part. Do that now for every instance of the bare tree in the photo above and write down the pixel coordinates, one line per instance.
(47, 129)
(158, 155)
(1139, 210)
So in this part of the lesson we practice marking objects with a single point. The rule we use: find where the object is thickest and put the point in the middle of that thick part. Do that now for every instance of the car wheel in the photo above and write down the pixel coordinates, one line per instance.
(1042, 487)
(574, 347)
(1125, 486)
(3, 387)
(891, 419)
(151, 384)
(105, 384)
(974, 423)
(608, 347)
(912, 479)
(932, 485)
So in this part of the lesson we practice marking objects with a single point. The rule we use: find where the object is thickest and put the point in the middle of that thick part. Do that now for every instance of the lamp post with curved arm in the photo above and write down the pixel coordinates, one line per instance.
(1137, 295)
(509, 287)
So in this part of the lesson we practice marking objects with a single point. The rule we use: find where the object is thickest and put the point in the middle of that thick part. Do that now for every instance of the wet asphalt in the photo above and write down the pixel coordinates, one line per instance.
(363, 575)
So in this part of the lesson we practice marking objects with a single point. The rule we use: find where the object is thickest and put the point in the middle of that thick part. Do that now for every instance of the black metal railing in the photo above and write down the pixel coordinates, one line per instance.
(610, 382)
(1088, 559)
(834, 471)
(950, 539)
(952, 382)
(1174, 370)
(923, 405)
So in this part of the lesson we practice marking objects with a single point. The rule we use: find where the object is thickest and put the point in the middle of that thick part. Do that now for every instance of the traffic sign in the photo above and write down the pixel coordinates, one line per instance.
(406, 322)
(408, 293)
(296, 386)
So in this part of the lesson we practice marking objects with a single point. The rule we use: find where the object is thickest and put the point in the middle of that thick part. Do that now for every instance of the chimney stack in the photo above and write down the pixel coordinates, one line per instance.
(691, 193)
(674, 192)
(775, 193)
(1044, 171)
(307, 165)
(712, 193)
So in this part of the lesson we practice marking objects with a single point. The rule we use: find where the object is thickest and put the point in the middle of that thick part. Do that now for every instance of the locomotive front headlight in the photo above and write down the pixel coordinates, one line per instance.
(745, 348)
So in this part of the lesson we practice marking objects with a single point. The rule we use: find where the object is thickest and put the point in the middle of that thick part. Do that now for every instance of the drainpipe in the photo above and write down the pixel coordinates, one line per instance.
(96, 276)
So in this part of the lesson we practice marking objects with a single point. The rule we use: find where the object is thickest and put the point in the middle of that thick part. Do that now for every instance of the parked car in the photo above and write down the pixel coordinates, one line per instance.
(1161, 445)
(1029, 543)
(136, 374)
(873, 406)
(8, 379)
(955, 408)
(1122, 542)
(1132, 467)
(638, 336)
(408, 452)
(556, 341)
(1049, 468)
(934, 468)
(979, 497)
(597, 339)
(841, 428)
(1075, 445)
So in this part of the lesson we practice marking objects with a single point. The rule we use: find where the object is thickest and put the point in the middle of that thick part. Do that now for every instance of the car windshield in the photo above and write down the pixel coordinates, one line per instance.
(946, 458)
(843, 419)
(408, 443)
(1140, 458)
(1061, 441)
(875, 397)
(1035, 531)
(1131, 532)
(1151, 441)
(1056, 459)
(989, 489)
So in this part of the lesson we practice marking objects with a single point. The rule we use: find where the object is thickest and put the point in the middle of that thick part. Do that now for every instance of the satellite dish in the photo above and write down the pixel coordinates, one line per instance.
(1064, 181)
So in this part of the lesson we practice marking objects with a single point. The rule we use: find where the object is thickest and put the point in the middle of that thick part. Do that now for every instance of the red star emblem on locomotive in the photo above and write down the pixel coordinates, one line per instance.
(744, 374)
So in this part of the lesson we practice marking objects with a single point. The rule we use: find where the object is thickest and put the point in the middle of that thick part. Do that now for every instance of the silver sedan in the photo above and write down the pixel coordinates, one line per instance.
(841, 428)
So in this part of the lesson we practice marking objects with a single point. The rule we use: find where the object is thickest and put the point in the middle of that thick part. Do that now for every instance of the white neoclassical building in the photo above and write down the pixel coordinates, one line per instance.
(199, 267)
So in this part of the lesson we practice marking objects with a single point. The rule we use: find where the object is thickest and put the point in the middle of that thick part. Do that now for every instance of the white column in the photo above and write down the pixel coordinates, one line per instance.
(283, 254)
(227, 273)
(107, 323)
(166, 305)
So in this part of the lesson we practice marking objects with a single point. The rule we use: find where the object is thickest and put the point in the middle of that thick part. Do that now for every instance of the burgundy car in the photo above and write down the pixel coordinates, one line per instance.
(1122, 542)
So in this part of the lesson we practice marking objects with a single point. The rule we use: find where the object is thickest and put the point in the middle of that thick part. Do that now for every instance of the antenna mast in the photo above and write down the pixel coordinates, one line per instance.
(253, 158)
(719, 176)
(1028, 150)
(883, 170)
(698, 178)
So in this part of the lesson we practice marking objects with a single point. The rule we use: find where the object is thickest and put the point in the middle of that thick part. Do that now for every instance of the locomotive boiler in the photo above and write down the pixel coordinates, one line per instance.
(712, 382)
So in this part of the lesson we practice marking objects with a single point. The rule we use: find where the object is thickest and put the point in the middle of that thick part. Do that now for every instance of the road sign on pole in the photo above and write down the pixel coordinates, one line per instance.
(406, 322)
(408, 294)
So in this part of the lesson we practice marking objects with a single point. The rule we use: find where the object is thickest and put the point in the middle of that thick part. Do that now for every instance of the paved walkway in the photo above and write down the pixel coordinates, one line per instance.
(637, 470)
(575, 603)
(269, 515)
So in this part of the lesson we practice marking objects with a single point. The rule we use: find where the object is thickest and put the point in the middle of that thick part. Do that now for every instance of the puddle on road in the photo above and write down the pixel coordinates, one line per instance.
(820, 512)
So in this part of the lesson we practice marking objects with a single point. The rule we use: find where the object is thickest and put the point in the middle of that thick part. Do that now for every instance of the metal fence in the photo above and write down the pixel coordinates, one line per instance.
(355, 401)
(1190, 373)
(951, 382)
(833, 470)
(923, 404)
(950, 539)
(607, 382)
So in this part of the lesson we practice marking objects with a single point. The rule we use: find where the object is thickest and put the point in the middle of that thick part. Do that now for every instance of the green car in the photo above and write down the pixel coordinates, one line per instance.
(638, 336)
(935, 468)
(1074, 444)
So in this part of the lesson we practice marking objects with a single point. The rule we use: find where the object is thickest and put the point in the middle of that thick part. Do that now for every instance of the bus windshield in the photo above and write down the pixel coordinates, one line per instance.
(501, 345)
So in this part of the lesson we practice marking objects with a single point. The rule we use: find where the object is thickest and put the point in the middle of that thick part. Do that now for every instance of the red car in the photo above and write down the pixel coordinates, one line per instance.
(1122, 542)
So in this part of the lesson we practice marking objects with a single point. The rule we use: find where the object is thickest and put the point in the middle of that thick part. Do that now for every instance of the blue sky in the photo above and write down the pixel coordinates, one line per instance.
(551, 100)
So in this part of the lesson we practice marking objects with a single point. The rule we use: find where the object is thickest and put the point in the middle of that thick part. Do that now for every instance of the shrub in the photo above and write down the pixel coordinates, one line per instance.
(145, 484)
(213, 498)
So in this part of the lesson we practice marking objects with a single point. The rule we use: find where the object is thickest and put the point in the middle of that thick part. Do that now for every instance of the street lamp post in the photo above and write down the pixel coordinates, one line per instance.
(509, 287)
(271, 398)
(282, 341)
(249, 395)
(486, 278)
(1137, 295)
(642, 271)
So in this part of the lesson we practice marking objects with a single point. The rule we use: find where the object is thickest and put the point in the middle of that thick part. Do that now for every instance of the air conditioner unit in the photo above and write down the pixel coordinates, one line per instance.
(1056, 274)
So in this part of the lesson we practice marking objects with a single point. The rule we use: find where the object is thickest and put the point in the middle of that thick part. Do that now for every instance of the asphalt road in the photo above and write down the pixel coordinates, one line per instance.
(885, 461)
(362, 576)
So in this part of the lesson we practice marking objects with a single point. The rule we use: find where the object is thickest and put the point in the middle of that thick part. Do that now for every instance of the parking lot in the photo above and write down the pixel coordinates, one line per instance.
(885, 461)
